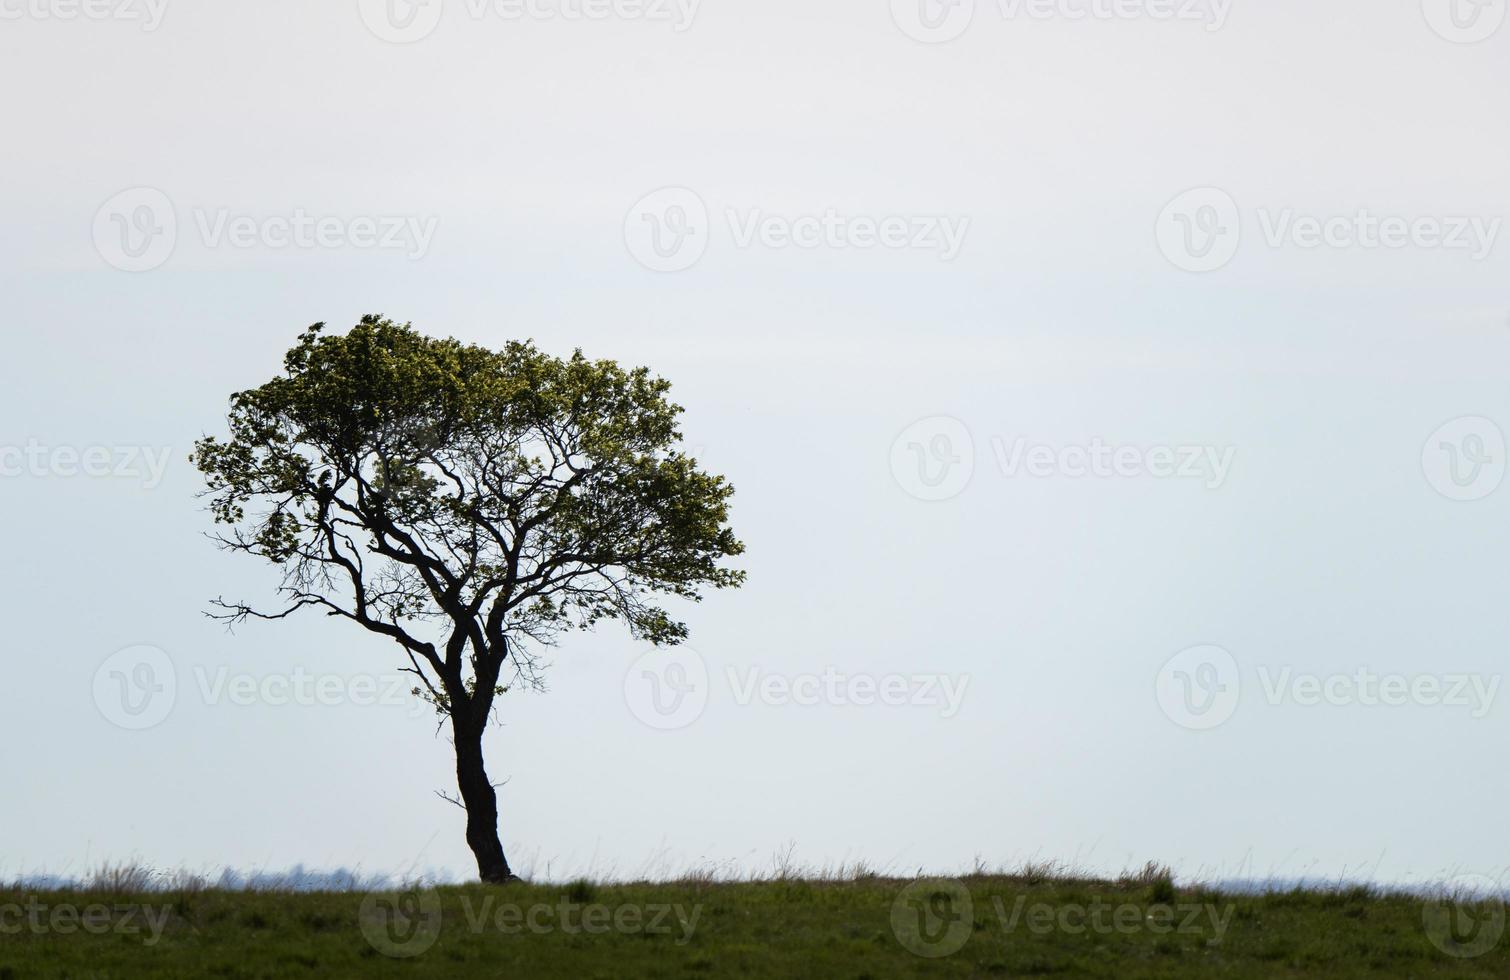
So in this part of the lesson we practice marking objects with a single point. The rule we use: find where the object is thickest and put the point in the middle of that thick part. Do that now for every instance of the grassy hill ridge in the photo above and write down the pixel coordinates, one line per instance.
(871, 927)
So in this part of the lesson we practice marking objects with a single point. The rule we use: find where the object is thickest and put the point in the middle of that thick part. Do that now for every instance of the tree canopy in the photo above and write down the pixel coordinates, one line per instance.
(466, 503)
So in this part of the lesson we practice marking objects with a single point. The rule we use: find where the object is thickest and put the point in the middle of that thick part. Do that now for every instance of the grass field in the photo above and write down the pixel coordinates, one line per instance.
(979, 925)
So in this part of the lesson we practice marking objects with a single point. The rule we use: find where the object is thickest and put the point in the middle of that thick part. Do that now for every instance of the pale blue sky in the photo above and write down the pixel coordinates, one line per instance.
(1054, 600)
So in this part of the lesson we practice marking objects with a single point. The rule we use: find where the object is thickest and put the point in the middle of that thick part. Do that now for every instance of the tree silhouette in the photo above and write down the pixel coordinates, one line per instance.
(468, 505)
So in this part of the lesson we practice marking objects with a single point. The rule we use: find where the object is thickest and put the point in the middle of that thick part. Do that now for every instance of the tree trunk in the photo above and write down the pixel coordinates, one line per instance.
(481, 804)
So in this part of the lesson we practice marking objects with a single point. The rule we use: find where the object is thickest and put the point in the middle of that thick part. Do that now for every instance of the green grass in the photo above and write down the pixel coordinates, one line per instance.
(1023, 925)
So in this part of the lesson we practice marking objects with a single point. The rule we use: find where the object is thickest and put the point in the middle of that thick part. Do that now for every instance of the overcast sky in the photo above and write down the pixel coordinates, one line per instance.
(1115, 394)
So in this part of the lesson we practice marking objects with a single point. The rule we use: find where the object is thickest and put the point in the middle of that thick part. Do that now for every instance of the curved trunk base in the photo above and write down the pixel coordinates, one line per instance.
(481, 804)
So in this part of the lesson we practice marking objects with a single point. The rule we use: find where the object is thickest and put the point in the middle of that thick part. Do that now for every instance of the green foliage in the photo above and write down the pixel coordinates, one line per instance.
(467, 503)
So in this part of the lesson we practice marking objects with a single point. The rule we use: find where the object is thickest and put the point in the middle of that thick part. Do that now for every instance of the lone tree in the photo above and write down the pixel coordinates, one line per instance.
(468, 505)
